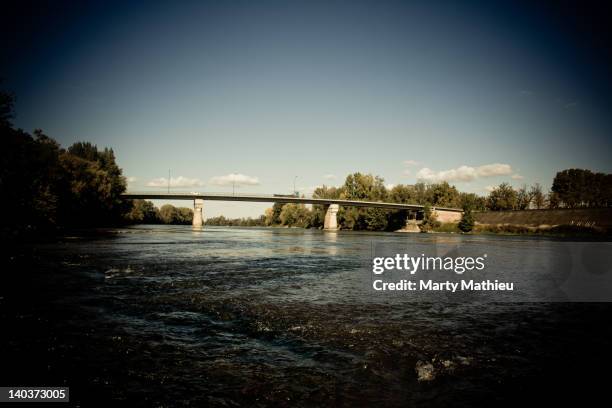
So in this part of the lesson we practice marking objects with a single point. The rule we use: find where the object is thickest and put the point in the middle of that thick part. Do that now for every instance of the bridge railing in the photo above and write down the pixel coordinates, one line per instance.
(210, 193)
(276, 197)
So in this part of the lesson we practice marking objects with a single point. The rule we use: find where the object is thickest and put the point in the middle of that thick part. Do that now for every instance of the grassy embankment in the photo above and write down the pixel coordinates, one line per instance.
(563, 222)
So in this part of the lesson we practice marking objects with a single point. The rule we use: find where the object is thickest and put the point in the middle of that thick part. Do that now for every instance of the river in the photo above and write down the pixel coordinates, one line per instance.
(168, 316)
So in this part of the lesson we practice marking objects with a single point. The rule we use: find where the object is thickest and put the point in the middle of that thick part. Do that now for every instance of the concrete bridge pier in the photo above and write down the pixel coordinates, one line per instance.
(198, 205)
(331, 219)
(412, 225)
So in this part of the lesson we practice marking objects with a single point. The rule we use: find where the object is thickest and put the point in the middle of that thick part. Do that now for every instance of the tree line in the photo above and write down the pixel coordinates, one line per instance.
(145, 212)
(571, 188)
(578, 188)
(45, 187)
(367, 187)
(236, 222)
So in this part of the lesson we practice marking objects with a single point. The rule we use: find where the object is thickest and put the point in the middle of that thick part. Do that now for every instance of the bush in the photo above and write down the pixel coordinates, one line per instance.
(447, 227)
(430, 222)
(467, 220)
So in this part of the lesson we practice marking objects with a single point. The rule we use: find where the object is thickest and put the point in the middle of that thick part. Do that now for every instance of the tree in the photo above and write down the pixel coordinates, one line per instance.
(376, 219)
(7, 109)
(502, 198)
(269, 217)
(475, 202)
(607, 191)
(45, 187)
(359, 186)
(350, 218)
(443, 195)
(364, 187)
(295, 215)
(467, 220)
(553, 200)
(184, 215)
(93, 187)
(421, 194)
(326, 192)
(430, 220)
(582, 188)
(242, 222)
(403, 194)
(277, 208)
(600, 191)
(537, 196)
(142, 212)
(568, 186)
(167, 213)
(523, 198)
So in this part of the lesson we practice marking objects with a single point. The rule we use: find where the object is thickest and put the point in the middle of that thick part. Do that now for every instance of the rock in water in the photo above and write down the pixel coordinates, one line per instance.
(425, 371)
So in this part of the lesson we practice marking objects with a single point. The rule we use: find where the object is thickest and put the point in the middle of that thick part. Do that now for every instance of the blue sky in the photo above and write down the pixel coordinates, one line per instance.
(469, 92)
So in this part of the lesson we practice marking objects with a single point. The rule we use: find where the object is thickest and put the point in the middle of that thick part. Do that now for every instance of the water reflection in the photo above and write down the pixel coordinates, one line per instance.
(330, 238)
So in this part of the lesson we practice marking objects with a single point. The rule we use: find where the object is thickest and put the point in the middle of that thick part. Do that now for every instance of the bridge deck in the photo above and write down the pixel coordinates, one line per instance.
(265, 198)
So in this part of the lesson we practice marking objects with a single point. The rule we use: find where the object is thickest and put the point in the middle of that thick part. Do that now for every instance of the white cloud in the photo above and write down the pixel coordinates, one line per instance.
(495, 169)
(234, 179)
(490, 188)
(389, 186)
(131, 179)
(406, 172)
(179, 181)
(330, 177)
(411, 163)
(517, 177)
(464, 173)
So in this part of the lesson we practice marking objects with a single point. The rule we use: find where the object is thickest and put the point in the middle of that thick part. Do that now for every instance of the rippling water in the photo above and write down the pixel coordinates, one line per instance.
(167, 316)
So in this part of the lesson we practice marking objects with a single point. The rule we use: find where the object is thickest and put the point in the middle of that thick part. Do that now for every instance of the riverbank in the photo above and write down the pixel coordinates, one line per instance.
(522, 229)
(574, 222)
(587, 217)
(563, 221)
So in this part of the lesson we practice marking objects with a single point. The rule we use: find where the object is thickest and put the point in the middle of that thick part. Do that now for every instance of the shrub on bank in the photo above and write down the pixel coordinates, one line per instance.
(449, 227)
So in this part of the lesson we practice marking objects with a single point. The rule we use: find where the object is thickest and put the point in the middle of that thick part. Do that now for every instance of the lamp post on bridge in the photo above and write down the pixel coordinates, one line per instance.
(294, 190)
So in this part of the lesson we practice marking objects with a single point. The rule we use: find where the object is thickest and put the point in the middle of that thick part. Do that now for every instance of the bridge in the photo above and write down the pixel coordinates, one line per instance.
(331, 205)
